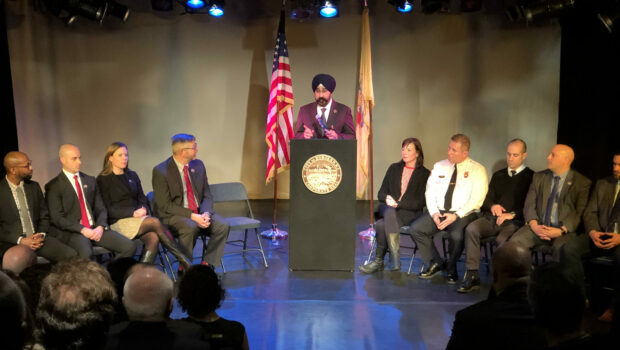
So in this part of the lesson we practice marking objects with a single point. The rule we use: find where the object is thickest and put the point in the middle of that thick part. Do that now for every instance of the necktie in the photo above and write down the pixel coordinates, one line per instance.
(84, 221)
(447, 204)
(191, 199)
(323, 115)
(513, 173)
(24, 214)
(551, 201)
(615, 213)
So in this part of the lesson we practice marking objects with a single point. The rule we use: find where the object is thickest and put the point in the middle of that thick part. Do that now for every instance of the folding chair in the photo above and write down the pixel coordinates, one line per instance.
(235, 192)
(404, 230)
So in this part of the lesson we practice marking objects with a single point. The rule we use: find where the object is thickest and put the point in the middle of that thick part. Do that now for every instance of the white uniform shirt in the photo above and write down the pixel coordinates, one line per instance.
(469, 192)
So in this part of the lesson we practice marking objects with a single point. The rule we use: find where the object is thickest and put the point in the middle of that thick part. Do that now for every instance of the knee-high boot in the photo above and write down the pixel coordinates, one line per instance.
(173, 248)
(393, 242)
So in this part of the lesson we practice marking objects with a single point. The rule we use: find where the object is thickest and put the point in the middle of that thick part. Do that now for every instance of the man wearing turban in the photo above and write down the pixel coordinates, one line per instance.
(324, 118)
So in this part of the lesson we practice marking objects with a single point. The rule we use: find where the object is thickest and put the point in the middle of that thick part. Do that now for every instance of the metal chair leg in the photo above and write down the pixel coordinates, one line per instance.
(373, 248)
(261, 247)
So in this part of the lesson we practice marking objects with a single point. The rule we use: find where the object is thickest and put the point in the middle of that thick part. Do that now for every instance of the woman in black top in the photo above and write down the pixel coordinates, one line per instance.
(402, 201)
(128, 209)
(200, 294)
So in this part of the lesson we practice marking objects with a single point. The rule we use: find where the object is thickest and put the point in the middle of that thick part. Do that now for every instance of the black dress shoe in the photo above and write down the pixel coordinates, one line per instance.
(453, 277)
(471, 283)
(431, 271)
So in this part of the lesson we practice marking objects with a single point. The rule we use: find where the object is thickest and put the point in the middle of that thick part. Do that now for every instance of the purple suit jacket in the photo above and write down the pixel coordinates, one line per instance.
(340, 119)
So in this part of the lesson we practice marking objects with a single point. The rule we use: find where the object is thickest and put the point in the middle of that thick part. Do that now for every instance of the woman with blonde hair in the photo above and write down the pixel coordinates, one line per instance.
(128, 209)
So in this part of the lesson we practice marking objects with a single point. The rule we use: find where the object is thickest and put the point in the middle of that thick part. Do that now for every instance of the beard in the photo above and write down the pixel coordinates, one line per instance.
(321, 102)
(27, 177)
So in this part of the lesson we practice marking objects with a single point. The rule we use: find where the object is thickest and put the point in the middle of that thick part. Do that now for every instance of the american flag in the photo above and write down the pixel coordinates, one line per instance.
(280, 108)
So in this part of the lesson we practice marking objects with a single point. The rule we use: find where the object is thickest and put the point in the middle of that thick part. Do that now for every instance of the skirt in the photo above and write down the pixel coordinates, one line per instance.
(128, 227)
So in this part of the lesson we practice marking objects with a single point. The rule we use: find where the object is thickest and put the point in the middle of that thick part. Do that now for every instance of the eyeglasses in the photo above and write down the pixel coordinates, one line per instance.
(194, 148)
(28, 165)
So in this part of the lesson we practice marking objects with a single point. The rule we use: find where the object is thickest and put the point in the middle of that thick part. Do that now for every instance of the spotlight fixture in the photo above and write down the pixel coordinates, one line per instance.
(328, 9)
(195, 4)
(609, 20)
(402, 6)
(216, 8)
(543, 9)
(119, 11)
(97, 10)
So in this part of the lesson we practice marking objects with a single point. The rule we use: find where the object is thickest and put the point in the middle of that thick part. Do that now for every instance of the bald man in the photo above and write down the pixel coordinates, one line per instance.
(147, 297)
(77, 213)
(505, 320)
(553, 208)
(24, 220)
(324, 118)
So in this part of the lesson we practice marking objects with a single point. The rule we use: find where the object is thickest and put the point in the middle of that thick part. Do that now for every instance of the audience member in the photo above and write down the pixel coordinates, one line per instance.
(454, 193)
(127, 206)
(502, 210)
(554, 204)
(601, 219)
(78, 215)
(200, 294)
(13, 315)
(76, 306)
(148, 301)
(119, 271)
(33, 277)
(402, 199)
(24, 219)
(184, 201)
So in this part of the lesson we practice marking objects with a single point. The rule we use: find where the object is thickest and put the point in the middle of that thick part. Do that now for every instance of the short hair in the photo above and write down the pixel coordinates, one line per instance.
(147, 294)
(200, 291)
(557, 296)
(13, 314)
(418, 148)
(617, 153)
(76, 306)
(107, 165)
(523, 144)
(463, 140)
(179, 139)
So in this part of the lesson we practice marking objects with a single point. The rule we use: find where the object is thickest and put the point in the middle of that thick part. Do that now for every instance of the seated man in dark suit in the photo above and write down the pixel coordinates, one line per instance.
(553, 207)
(601, 220)
(147, 297)
(24, 220)
(78, 216)
(505, 320)
(184, 202)
(324, 118)
(501, 212)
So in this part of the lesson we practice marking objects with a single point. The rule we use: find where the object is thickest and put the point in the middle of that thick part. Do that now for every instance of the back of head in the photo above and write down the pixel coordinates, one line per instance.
(12, 314)
(200, 291)
(557, 297)
(512, 264)
(147, 295)
(76, 306)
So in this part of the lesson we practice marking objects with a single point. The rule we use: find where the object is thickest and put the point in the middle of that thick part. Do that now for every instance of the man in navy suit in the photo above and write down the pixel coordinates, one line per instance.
(184, 202)
(24, 220)
(324, 118)
(78, 216)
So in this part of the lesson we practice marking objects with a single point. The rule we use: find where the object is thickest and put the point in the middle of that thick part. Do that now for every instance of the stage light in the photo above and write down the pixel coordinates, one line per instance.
(328, 9)
(119, 11)
(97, 10)
(402, 6)
(216, 8)
(545, 9)
(91, 10)
(300, 13)
(195, 4)
(609, 20)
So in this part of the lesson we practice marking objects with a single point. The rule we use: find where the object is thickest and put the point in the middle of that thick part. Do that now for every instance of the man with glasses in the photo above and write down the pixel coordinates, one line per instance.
(184, 201)
(24, 219)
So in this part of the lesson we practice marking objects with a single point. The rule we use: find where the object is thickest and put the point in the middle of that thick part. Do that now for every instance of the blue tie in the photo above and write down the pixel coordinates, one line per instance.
(553, 198)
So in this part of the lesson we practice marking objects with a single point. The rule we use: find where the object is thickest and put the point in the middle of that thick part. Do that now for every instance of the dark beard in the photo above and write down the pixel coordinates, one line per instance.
(27, 177)
(321, 102)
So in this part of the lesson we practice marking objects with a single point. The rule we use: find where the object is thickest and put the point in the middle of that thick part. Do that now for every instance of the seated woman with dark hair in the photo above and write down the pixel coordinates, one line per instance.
(402, 201)
(200, 293)
(128, 209)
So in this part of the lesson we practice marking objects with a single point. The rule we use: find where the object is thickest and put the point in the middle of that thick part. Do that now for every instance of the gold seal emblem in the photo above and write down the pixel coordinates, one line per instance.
(321, 174)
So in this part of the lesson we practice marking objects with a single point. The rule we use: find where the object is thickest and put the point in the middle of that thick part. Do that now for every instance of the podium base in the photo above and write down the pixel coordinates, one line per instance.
(274, 233)
(368, 233)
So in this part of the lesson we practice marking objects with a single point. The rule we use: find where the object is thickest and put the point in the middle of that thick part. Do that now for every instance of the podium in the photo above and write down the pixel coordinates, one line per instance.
(322, 205)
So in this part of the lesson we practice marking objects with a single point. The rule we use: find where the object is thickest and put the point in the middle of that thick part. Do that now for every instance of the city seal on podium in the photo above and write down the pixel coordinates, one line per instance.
(321, 174)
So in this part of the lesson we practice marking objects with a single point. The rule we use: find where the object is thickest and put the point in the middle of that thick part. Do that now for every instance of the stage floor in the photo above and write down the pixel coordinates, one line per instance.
(284, 309)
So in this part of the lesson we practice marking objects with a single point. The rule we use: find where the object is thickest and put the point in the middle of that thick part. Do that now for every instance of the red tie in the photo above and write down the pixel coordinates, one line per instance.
(191, 199)
(84, 221)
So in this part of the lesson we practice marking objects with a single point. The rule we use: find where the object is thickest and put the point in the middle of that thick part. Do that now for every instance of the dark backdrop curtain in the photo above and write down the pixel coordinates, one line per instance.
(8, 129)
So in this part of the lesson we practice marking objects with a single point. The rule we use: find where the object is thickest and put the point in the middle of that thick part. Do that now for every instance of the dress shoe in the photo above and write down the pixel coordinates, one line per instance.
(453, 277)
(471, 283)
(434, 269)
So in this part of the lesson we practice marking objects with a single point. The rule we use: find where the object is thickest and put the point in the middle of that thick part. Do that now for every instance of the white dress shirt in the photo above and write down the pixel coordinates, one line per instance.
(469, 192)
(328, 107)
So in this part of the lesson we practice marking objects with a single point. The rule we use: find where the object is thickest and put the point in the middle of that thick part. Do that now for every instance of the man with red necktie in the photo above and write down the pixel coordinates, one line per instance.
(184, 201)
(78, 216)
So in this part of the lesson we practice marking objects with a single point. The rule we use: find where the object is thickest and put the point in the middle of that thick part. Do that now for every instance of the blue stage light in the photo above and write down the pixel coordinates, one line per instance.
(195, 4)
(328, 10)
(405, 7)
(216, 11)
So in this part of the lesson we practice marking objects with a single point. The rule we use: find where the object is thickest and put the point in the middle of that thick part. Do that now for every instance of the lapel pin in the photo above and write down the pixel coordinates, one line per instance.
(335, 111)
(193, 170)
(85, 186)
(569, 183)
(466, 174)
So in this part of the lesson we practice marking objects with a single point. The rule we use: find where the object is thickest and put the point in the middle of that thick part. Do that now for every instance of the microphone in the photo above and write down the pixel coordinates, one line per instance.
(320, 120)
